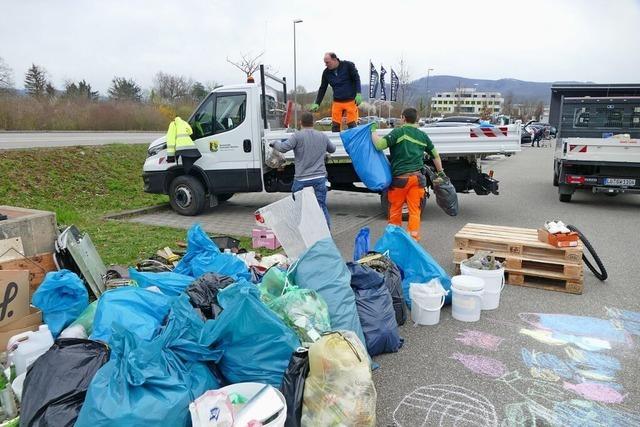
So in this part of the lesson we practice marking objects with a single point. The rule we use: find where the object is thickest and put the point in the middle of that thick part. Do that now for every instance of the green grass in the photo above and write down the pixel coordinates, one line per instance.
(81, 185)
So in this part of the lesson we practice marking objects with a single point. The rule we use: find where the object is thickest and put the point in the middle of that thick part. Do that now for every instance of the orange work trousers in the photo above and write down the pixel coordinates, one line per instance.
(409, 190)
(340, 108)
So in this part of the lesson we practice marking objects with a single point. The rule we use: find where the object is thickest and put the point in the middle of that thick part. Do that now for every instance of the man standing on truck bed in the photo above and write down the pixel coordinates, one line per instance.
(345, 82)
(310, 148)
(407, 145)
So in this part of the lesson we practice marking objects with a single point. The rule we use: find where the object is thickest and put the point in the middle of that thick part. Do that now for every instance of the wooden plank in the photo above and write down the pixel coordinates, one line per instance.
(525, 257)
(568, 286)
(37, 265)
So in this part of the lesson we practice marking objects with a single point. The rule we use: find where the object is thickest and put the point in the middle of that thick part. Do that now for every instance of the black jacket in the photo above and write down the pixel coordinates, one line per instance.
(344, 80)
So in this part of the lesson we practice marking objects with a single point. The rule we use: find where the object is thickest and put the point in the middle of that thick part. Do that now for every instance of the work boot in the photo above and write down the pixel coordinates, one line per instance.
(335, 127)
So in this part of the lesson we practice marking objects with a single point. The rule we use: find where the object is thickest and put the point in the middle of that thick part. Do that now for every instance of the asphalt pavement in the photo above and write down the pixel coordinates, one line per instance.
(18, 140)
(451, 374)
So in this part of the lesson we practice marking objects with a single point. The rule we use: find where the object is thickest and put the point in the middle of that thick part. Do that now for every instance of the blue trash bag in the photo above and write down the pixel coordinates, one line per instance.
(170, 283)
(361, 245)
(204, 256)
(147, 383)
(256, 345)
(62, 297)
(138, 310)
(416, 263)
(322, 269)
(371, 165)
(375, 309)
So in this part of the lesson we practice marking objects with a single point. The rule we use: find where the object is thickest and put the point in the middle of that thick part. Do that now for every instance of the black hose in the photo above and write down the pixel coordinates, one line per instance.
(602, 274)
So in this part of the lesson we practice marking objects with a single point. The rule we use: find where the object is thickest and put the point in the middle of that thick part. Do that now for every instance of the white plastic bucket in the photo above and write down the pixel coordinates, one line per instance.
(426, 302)
(466, 301)
(248, 390)
(493, 284)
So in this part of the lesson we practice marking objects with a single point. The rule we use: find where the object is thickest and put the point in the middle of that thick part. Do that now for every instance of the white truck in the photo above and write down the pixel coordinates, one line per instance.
(234, 125)
(598, 146)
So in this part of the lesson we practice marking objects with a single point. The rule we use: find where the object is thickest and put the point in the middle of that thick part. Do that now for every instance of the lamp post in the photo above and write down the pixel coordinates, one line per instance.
(429, 70)
(295, 80)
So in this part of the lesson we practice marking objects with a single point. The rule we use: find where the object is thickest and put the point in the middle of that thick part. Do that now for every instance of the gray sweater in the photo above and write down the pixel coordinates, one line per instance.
(309, 147)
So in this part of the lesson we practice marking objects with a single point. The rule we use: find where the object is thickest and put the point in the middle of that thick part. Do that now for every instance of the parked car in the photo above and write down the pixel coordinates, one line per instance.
(455, 121)
(528, 131)
(551, 130)
(372, 119)
(325, 121)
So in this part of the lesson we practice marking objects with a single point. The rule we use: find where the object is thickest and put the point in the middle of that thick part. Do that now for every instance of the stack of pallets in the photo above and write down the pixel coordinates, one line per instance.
(527, 261)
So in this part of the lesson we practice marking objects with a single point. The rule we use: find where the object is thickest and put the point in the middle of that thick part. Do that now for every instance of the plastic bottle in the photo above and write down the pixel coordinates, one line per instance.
(26, 347)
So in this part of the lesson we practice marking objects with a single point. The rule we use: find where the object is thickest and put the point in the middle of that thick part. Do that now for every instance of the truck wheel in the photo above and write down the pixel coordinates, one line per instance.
(384, 204)
(556, 177)
(566, 198)
(186, 195)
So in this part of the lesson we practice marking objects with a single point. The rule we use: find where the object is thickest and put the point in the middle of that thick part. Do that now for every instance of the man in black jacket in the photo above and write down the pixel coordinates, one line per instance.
(345, 82)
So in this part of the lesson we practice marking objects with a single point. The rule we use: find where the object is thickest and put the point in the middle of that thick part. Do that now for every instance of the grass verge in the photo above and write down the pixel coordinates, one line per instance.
(81, 185)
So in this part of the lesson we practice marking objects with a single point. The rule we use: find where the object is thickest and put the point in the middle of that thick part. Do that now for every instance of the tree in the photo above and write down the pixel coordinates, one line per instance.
(80, 91)
(539, 111)
(198, 91)
(486, 111)
(211, 85)
(6, 77)
(123, 89)
(171, 88)
(35, 81)
(404, 78)
(50, 91)
(248, 64)
(507, 105)
(422, 107)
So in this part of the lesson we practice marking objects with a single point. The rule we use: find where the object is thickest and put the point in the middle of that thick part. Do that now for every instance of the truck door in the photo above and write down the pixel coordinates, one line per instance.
(224, 134)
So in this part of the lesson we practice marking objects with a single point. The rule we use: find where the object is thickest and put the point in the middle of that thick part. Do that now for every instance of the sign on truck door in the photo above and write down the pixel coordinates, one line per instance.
(224, 134)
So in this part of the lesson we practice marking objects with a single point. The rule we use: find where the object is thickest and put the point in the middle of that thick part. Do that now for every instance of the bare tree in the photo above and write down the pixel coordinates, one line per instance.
(211, 85)
(404, 78)
(248, 64)
(507, 105)
(6, 76)
(171, 88)
(539, 111)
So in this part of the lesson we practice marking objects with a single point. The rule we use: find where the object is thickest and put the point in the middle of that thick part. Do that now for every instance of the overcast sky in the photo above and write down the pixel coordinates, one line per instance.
(541, 40)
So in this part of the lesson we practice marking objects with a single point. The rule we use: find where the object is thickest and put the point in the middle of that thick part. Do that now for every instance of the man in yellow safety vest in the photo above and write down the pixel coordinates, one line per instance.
(179, 143)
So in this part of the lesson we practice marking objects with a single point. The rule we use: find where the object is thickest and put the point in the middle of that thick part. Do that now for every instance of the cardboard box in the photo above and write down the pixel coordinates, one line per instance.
(30, 322)
(559, 240)
(264, 238)
(14, 295)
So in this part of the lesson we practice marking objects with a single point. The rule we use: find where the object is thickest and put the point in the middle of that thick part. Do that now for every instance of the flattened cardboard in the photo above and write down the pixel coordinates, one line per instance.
(29, 322)
(14, 295)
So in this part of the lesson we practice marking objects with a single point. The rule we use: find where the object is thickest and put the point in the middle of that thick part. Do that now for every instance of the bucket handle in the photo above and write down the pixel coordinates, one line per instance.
(414, 301)
(503, 282)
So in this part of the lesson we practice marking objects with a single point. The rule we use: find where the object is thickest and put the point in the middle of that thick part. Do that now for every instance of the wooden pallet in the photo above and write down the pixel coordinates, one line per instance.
(527, 261)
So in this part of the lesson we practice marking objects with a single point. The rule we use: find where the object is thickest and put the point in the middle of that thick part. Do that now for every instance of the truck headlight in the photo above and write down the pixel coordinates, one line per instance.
(152, 151)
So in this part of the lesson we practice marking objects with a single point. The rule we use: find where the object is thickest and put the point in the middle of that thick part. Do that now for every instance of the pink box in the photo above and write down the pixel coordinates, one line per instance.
(264, 238)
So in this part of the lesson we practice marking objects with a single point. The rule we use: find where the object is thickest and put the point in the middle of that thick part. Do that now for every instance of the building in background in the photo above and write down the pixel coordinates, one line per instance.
(466, 101)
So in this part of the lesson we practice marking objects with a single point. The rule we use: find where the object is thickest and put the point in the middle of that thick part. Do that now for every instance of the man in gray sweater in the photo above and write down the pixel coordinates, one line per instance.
(310, 148)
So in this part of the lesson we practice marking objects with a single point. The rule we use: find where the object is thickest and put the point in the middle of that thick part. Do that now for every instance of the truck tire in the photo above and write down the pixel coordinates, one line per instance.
(187, 195)
(565, 198)
(556, 176)
(602, 274)
(384, 204)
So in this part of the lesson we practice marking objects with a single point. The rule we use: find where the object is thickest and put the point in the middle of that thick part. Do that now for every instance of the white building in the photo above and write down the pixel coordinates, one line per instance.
(469, 101)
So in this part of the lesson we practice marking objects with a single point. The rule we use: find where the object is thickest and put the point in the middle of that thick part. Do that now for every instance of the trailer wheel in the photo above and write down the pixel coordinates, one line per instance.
(384, 204)
(566, 198)
(602, 274)
(187, 195)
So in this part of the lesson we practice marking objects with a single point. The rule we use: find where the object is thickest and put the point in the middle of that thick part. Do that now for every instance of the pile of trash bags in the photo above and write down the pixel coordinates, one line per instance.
(170, 347)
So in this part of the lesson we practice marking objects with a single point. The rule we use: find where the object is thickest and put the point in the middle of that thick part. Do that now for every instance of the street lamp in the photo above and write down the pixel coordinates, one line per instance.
(295, 81)
(429, 70)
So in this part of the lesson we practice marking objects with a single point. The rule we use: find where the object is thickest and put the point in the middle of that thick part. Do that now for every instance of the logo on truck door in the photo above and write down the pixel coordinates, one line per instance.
(214, 145)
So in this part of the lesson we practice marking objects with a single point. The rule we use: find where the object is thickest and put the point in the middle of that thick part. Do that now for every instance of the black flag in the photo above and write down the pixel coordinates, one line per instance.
(373, 81)
(395, 84)
(383, 91)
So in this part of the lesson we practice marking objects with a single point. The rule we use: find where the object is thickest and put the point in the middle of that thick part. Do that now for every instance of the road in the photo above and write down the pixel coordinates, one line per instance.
(450, 374)
(19, 140)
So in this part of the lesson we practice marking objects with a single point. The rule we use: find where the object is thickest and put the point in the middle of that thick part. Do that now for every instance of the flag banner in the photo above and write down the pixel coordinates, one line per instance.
(383, 91)
(373, 81)
(395, 84)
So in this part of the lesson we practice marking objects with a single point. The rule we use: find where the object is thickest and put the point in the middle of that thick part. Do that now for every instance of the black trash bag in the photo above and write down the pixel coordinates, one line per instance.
(393, 281)
(292, 387)
(446, 196)
(56, 384)
(375, 309)
(203, 294)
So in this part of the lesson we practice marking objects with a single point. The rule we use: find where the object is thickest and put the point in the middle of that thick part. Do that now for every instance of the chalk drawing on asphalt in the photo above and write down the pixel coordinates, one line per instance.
(481, 364)
(445, 405)
(479, 339)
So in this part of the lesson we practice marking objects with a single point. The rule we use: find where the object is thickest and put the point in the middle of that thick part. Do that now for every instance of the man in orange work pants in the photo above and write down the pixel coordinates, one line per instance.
(408, 145)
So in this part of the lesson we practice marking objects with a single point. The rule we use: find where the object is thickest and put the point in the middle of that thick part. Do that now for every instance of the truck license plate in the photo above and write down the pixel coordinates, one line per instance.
(620, 181)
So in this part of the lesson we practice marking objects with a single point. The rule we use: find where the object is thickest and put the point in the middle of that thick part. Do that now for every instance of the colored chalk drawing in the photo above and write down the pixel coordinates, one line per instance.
(481, 364)
(625, 319)
(445, 405)
(479, 339)
(598, 392)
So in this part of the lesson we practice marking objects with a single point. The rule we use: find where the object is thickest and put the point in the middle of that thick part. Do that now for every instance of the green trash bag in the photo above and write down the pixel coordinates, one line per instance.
(304, 311)
(82, 327)
(272, 285)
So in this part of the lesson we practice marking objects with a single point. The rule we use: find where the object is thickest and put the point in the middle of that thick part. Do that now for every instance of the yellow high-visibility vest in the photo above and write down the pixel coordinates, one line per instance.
(178, 136)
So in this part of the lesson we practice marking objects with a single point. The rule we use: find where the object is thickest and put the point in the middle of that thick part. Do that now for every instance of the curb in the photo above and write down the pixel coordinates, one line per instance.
(136, 212)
